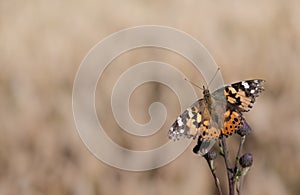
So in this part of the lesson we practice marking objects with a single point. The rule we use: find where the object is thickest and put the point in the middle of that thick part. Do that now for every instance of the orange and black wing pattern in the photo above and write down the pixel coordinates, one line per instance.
(202, 119)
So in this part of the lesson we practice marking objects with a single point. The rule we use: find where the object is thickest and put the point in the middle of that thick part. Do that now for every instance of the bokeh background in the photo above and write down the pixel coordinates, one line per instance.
(42, 44)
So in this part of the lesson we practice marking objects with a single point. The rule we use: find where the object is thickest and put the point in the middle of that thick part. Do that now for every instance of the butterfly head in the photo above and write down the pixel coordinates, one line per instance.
(206, 94)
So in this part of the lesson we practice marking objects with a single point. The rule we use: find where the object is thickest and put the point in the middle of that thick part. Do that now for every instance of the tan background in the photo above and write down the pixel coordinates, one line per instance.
(42, 44)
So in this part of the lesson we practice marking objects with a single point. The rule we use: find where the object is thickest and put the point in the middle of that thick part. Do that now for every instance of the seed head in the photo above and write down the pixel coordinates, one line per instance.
(245, 128)
(246, 160)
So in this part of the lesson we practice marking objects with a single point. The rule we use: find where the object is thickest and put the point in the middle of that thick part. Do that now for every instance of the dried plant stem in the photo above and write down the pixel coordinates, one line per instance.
(213, 172)
(224, 153)
(239, 188)
(242, 141)
(232, 172)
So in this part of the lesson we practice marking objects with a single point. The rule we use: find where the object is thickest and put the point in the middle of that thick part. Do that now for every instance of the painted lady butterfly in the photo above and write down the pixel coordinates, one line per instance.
(204, 118)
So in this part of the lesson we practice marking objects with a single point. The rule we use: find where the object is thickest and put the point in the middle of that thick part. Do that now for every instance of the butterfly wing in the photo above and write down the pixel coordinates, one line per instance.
(207, 138)
(240, 97)
(195, 121)
(233, 122)
(206, 120)
(188, 123)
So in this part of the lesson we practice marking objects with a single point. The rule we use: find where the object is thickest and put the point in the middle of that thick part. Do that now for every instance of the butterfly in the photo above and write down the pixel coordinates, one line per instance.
(217, 114)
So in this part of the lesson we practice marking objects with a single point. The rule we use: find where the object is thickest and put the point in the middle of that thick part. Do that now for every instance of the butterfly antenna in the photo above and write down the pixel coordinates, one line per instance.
(193, 83)
(214, 76)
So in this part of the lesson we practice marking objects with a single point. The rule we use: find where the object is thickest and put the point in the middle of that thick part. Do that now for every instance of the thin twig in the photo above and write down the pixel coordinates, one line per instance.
(213, 172)
(242, 141)
(228, 168)
(239, 187)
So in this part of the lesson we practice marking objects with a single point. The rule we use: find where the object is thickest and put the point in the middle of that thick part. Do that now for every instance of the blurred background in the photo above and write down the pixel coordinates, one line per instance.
(43, 43)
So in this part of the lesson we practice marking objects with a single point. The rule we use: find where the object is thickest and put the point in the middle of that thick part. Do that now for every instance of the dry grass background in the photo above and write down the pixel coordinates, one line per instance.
(43, 42)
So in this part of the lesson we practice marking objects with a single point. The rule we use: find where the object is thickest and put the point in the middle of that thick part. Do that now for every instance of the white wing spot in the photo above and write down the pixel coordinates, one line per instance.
(179, 120)
(245, 84)
(190, 113)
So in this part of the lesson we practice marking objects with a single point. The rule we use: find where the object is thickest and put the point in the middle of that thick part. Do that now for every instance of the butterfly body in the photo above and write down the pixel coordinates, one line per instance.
(216, 114)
